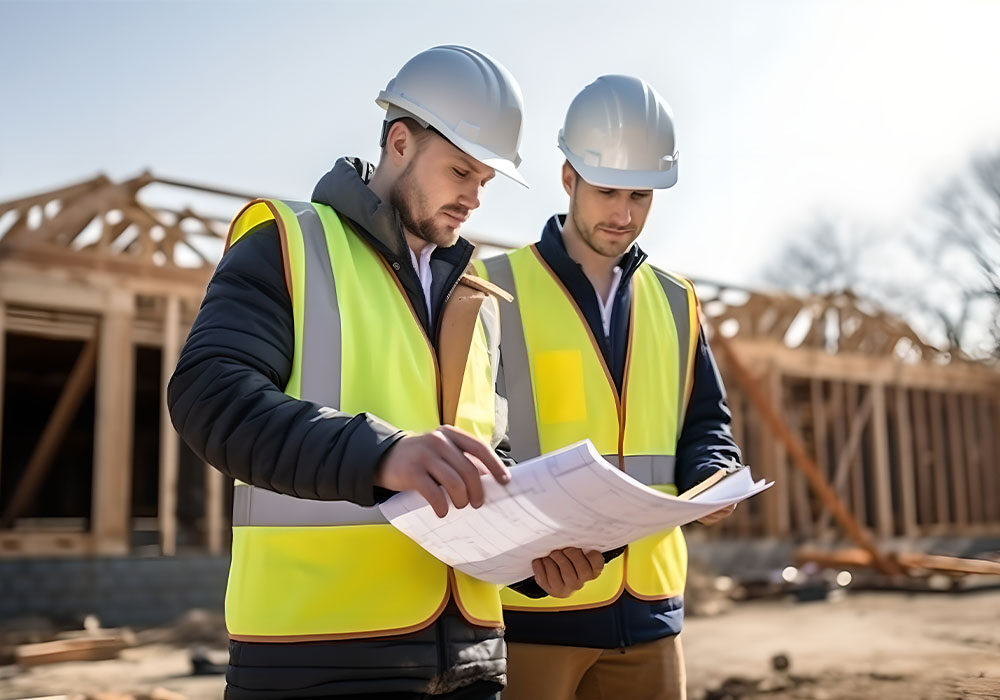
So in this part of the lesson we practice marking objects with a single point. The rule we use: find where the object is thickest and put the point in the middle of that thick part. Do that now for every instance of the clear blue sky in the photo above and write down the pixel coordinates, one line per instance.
(783, 107)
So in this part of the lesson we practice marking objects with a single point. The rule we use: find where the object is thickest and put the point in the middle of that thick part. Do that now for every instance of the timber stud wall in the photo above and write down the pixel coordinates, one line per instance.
(911, 449)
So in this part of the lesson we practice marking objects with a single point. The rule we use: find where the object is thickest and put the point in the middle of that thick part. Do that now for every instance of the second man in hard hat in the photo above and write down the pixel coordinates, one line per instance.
(600, 344)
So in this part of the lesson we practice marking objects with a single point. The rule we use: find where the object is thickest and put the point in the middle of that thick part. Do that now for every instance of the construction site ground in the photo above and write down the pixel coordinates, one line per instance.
(867, 645)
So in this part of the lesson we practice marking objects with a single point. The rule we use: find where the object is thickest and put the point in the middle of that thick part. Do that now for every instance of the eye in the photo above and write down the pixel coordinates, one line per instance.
(460, 173)
(640, 195)
(607, 193)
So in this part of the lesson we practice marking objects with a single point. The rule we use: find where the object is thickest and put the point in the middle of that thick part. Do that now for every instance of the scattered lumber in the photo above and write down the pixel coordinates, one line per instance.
(913, 563)
(94, 648)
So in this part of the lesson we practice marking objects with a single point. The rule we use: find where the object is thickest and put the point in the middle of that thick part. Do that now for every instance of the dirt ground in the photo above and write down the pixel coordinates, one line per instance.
(868, 646)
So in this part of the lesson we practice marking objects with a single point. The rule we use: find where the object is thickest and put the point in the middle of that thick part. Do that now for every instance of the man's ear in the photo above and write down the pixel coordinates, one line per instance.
(399, 143)
(568, 178)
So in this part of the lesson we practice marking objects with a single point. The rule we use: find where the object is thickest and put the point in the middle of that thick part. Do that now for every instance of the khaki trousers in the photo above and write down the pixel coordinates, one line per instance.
(650, 671)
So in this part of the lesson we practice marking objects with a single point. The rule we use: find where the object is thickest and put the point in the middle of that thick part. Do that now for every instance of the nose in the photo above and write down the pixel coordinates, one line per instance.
(469, 195)
(621, 213)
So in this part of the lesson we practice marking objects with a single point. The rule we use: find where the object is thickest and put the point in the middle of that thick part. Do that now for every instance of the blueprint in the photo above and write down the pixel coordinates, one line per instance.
(568, 498)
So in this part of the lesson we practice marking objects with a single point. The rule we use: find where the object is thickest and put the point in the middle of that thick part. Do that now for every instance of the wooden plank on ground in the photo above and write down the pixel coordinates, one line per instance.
(904, 448)
(84, 649)
(957, 469)
(78, 384)
(114, 427)
(942, 510)
(882, 476)
(169, 444)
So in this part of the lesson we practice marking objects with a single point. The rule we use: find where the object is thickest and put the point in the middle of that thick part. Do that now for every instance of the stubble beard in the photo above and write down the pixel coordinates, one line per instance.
(589, 235)
(407, 198)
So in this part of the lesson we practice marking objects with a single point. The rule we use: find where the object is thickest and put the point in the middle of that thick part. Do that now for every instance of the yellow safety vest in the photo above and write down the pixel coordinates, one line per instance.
(559, 391)
(305, 570)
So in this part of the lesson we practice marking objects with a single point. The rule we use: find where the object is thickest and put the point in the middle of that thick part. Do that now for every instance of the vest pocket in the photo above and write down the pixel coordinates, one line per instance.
(559, 391)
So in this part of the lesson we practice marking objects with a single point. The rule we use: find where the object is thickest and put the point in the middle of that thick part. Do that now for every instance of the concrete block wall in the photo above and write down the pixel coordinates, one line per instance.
(121, 591)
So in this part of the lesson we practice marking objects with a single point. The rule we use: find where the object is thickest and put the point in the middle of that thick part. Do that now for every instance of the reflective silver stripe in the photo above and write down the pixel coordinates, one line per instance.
(321, 350)
(262, 508)
(647, 469)
(678, 297)
(524, 441)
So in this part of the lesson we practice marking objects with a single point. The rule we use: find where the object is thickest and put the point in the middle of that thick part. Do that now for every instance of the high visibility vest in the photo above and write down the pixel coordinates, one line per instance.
(305, 570)
(560, 391)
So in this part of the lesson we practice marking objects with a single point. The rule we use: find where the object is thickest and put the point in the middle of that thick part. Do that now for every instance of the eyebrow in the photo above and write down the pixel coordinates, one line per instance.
(473, 165)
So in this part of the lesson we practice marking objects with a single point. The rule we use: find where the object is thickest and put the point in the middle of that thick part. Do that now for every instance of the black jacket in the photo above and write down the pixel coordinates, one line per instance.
(704, 445)
(227, 402)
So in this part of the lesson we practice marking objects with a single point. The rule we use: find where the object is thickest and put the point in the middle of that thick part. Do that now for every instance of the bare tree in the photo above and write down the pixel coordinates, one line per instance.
(964, 246)
(943, 277)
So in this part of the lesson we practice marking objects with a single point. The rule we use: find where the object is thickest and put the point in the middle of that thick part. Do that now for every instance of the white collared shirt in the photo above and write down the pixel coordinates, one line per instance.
(605, 305)
(423, 270)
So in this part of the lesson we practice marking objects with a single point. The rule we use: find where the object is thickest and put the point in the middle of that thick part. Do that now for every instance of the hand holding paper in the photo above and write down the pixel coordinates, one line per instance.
(568, 498)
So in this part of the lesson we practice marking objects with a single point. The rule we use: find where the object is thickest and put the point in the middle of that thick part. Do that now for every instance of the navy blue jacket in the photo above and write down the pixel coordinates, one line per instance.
(704, 445)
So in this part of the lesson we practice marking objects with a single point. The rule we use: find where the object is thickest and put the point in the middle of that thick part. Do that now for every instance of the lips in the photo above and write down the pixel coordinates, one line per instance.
(457, 218)
(616, 231)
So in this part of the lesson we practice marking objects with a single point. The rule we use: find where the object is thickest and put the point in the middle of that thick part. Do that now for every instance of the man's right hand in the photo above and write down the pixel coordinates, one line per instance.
(565, 571)
(443, 464)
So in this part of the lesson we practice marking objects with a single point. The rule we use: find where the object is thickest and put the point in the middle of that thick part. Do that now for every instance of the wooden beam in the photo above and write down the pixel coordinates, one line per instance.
(840, 431)
(114, 426)
(883, 479)
(904, 447)
(857, 476)
(779, 456)
(860, 416)
(215, 495)
(973, 459)
(741, 517)
(17, 545)
(169, 445)
(800, 457)
(50, 294)
(957, 470)
(942, 510)
(988, 429)
(801, 508)
(820, 424)
(81, 378)
(924, 459)
(855, 367)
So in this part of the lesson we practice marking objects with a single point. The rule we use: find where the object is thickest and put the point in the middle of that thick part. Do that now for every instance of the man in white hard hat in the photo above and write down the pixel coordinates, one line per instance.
(320, 376)
(599, 344)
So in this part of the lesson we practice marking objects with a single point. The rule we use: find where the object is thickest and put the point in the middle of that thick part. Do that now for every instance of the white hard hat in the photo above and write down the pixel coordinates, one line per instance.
(619, 133)
(468, 97)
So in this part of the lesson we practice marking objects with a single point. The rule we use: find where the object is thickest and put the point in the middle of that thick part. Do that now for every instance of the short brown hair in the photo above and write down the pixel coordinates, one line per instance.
(420, 133)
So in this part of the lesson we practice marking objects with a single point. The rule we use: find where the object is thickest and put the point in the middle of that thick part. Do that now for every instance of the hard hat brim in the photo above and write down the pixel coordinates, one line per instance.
(504, 166)
(616, 179)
